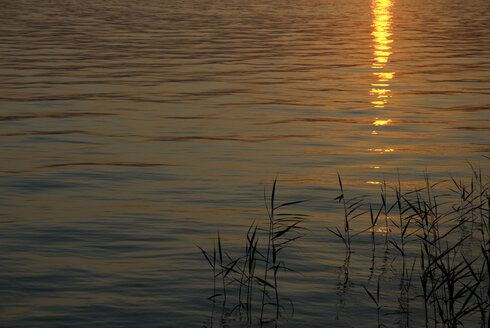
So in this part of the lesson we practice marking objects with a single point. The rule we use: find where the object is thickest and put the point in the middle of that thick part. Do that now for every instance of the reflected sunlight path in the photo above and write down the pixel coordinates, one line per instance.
(382, 20)
(380, 88)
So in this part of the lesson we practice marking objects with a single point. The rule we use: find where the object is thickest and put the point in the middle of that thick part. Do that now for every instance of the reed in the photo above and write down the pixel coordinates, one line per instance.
(376, 299)
(255, 274)
(352, 209)
(439, 248)
(451, 285)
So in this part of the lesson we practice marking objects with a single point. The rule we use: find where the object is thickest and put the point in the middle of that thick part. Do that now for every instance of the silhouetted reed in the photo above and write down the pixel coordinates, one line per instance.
(351, 208)
(436, 242)
(254, 276)
(376, 301)
(453, 277)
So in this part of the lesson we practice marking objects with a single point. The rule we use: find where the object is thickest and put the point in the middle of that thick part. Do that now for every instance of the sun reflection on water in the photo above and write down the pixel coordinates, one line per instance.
(382, 150)
(382, 122)
(381, 87)
(382, 19)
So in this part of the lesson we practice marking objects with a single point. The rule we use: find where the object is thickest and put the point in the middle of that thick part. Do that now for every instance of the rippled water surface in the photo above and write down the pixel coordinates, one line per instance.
(131, 131)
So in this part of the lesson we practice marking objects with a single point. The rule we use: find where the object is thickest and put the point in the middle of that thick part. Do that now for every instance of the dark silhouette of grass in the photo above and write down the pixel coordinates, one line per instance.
(448, 277)
(254, 275)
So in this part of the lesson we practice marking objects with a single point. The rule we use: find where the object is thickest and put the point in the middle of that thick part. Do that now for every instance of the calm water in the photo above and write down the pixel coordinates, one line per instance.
(129, 132)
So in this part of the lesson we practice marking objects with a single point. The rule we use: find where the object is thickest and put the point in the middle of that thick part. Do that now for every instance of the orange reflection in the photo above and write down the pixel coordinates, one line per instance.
(384, 76)
(380, 229)
(381, 122)
(381, 86)
(382, 150)
(382, 39)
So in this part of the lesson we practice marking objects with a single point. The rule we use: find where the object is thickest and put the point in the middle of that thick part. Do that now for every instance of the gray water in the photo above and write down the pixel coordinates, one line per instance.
(131, 131)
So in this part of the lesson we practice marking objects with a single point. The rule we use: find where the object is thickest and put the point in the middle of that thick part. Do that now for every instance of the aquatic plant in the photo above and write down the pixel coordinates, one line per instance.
(352, 210)
(436, 241)
(254, 276)
(453, 242)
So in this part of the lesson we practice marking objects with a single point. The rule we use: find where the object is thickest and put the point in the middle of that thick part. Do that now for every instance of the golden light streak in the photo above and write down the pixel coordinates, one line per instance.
(382, 122)
(378, 103)
(381, 59)
(381, 86)
(382, 150)
(382, 20)
(380, 229)
(380, 92)
(383, 77)
(382, 53)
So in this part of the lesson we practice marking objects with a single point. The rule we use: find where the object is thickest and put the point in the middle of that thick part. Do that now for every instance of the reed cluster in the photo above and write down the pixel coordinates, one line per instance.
(250, 280)
(435, 241)
(441, 244)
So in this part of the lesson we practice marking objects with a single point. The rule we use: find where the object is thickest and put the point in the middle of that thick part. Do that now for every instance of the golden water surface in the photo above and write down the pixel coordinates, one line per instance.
(131, 130)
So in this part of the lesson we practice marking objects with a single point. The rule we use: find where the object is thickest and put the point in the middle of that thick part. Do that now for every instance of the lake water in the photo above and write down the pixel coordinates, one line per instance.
(129, 132)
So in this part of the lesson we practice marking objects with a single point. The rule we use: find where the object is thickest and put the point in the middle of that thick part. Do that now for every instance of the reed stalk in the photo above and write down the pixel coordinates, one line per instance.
(442, 239)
